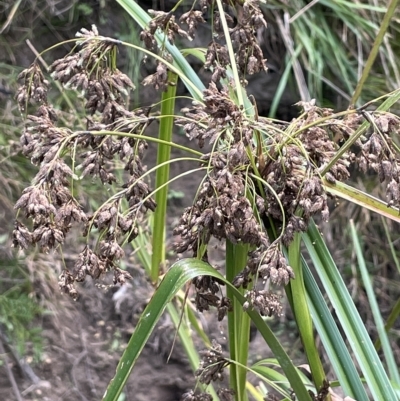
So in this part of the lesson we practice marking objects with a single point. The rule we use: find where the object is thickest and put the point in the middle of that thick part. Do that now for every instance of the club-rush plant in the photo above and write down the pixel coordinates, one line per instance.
(264, 182)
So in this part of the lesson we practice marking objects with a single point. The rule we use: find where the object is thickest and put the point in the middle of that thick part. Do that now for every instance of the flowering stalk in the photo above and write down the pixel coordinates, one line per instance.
(162, 177)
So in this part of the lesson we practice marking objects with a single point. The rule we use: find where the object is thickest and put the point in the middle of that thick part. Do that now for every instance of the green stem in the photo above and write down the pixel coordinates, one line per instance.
(238, 321)
(230, 275)
(302, 313)
(374, 51)
(162, 177)
(231, 54)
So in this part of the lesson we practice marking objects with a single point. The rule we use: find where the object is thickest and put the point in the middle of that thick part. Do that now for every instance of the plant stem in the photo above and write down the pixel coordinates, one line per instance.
(231, 54)
(162, 176)
(238, 321)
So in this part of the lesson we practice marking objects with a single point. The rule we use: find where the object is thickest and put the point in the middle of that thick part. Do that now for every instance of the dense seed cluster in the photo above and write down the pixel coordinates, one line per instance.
(212, 364)
(265, 302)
(49, 202)
(192, 396)
(377, 152)
(34, 87)
(265, 263)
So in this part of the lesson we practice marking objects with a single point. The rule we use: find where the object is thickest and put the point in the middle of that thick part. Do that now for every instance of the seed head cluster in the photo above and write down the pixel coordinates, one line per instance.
(377, 152)
(265, 302)
(49, 202)
(243, 36)
(212, 364)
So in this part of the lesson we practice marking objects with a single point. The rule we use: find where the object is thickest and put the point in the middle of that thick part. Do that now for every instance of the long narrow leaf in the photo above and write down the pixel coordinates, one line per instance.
(169, 287)
(302, 314)
(351, 322)
(332, 340)
(238, 320)
(387, 349)
(362, 199)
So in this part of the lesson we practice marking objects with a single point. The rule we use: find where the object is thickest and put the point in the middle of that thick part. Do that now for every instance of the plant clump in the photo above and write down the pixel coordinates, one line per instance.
(265, 180)
(261, 175)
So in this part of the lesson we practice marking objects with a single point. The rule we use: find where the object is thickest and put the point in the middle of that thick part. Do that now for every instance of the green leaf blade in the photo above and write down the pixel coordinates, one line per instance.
(351, 322)
(332, 340)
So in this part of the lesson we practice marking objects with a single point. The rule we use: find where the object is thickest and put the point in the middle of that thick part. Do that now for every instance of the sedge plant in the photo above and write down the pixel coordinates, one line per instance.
(264, 183)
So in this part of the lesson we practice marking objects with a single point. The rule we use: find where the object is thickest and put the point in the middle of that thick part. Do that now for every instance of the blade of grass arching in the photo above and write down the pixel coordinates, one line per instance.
(177, 276)
(391, 9)
(199, 53)
(350, 320)
(162, 177)
(142, 18)
(361, 199)
(238, 321)
(274, 363)
(140, 245)
(274, 379)
(266, 368)
(332, 340)
(302, 313)
(173, 281)
(387, 349)
(257, 394)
